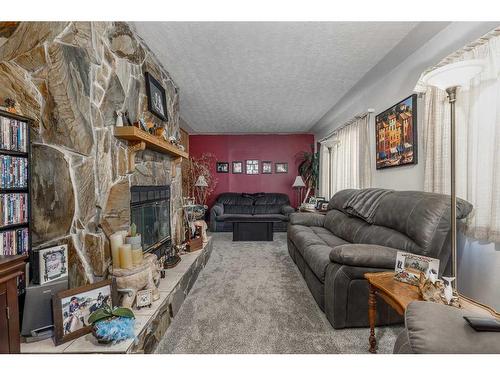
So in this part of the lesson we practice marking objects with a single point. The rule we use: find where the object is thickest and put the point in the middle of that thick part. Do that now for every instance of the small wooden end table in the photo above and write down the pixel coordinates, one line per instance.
(399, 295)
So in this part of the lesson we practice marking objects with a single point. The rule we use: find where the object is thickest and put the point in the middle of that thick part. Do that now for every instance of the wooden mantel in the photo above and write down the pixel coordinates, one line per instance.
(139, 140)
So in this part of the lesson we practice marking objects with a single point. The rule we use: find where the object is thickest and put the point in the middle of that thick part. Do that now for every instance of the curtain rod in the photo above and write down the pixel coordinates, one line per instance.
(357, 117)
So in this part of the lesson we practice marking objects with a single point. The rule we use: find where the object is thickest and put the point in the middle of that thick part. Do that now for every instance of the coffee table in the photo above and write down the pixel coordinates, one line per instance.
(252, 229)
(399, 295)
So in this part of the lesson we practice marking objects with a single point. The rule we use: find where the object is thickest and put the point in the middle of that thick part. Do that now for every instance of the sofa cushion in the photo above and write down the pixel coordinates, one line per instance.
(327, 236)
(238, 209)
(343, 225)
(268, 209)
(317, 258)
(234, 199)
(307, 219)
(362, 255)
(279, 217)
(225, 217)
(439, 329)
(272, 199)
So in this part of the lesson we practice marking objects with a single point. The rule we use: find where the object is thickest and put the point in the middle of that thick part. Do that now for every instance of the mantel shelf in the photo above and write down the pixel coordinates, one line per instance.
(135, 135)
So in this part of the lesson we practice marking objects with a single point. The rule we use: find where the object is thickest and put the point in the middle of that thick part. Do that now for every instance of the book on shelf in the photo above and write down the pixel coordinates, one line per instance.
(13, 209)
(13, 134)
(14, 242)
(13, 172)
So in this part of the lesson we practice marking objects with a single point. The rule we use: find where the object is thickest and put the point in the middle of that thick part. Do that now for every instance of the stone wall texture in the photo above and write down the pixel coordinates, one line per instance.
(71, 78)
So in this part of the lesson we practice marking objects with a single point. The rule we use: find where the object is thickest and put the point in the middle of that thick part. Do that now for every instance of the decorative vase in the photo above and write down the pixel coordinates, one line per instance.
(119, 119)
(448, 290)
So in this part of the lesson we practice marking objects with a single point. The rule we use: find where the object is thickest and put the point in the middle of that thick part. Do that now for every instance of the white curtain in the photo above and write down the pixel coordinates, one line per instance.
(345, 158)
(478, 139)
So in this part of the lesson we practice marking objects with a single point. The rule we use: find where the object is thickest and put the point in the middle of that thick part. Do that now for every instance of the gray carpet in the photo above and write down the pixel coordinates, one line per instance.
(251, 298)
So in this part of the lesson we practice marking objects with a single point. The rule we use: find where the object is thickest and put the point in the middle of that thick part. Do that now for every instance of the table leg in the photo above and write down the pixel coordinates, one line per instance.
(372, 316)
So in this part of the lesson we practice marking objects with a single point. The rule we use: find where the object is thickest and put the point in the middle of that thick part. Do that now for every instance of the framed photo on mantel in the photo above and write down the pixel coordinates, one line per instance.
(157, 99)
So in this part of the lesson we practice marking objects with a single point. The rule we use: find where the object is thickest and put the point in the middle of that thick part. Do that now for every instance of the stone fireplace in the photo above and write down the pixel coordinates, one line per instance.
(72, 77)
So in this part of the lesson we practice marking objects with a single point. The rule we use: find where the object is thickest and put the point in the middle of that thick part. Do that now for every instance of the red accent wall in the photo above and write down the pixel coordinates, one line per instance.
(276, 148)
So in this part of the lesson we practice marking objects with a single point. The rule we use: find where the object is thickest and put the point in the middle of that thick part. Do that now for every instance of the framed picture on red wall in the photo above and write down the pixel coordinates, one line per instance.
(267, 167)
(237, 167)
(252, 167)
(281, 167)
(222, 167)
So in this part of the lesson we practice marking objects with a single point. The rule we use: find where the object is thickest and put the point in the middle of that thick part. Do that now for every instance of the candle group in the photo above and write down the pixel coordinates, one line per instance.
(125, 255)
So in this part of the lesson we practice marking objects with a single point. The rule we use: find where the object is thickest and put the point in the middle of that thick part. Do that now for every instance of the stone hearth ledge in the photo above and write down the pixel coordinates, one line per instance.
(151, 323)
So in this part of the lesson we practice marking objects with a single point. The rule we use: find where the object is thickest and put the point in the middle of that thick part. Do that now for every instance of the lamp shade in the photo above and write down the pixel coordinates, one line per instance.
(299, 182)
(201, 182)
(456, 74)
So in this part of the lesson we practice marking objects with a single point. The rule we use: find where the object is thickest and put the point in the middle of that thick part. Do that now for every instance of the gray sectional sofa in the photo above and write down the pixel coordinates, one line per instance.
(334, 251)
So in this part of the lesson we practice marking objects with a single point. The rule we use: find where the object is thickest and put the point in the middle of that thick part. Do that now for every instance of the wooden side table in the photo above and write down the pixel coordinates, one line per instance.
(399, 295)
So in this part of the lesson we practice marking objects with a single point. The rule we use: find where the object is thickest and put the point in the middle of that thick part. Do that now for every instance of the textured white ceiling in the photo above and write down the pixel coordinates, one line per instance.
(263, 77)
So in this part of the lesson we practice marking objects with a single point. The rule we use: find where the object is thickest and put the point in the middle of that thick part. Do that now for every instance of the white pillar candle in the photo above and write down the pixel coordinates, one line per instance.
(126, 256)
(116, 240)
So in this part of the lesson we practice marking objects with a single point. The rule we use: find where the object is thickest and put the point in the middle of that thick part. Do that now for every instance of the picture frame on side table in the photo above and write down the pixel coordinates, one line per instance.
(267, 167)
(280, 167)
(71, 309)
(237, 167)
(50, 264)
(157, 99)
(222, 167)
(409, 267)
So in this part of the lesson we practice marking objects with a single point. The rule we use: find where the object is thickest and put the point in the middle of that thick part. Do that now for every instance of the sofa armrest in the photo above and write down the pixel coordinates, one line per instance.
(287, 210)
(364, 255)
(217, 210)
(307, 219)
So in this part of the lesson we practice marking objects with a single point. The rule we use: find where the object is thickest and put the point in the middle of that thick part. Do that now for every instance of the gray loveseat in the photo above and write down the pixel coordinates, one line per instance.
(334, 251)
(259, 206)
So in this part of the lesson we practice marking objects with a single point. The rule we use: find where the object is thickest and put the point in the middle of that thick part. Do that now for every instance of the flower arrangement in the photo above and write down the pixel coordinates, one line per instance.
(112, 325)
(191, 170)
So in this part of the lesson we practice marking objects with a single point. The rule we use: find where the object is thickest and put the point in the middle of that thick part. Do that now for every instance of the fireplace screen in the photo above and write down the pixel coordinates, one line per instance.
(150, 212)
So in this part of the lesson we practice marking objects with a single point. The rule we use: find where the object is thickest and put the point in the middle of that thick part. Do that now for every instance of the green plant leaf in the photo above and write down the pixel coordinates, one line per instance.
(123, 312)
(99, 314)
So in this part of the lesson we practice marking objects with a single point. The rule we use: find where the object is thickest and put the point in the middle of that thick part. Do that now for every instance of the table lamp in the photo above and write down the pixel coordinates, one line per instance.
(299, 185)
(449, 78)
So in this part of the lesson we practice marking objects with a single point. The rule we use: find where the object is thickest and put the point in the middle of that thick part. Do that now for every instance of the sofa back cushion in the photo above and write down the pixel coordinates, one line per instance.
(409, 220)
(234, 199)
(272, 199)
(267, 209)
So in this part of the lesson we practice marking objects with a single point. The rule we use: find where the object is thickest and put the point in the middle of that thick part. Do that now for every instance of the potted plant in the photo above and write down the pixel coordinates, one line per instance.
(309, 170)
(112, 325)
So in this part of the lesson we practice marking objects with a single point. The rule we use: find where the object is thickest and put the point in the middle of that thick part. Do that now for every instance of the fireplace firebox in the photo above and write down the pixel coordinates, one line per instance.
(150, 212)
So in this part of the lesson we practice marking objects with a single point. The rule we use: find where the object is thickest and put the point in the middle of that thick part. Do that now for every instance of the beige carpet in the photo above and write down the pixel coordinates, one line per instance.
(251, 298)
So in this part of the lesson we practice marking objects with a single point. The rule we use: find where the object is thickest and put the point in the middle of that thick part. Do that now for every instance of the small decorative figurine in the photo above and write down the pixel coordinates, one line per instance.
(119, 119)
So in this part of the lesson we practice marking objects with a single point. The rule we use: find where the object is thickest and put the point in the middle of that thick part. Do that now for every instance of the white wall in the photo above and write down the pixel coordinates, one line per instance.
(478, 263)
(381, 92)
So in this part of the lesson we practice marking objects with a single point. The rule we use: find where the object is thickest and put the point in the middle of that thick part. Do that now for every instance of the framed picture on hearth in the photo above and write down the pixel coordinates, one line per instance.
(237, 167)
(267, 167)
(157, 99)
(71, 309)
(222, 167)
(396, 134)
(281, 167)
(252, 167)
